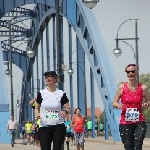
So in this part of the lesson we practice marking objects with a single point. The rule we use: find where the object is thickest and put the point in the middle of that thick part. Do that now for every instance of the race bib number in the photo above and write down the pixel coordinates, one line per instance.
(23, 128)
(51, 117)
(68, 127)
(28, 128)
(132, 114)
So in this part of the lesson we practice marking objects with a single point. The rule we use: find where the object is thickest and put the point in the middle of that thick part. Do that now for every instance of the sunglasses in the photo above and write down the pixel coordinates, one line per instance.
(49, 76)
(132, 71)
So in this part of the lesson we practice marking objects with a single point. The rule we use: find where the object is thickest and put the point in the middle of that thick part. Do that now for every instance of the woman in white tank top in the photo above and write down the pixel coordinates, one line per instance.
(50, 102)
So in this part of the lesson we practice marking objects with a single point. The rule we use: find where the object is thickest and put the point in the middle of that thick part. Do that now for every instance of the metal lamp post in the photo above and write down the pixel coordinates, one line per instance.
(117, 51)
(58, 41)
(90, 4)
(11, 77)
(30, 54)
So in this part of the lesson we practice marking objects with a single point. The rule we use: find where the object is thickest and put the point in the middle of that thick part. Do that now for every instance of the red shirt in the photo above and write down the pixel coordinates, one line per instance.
(79, 122)
(132, 99)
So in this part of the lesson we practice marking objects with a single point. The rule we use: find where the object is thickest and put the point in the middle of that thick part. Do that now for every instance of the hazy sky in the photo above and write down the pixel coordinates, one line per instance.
(110, 14)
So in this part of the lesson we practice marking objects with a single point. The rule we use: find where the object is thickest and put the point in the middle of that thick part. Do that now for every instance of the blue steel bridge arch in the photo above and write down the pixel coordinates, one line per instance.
(89, 41)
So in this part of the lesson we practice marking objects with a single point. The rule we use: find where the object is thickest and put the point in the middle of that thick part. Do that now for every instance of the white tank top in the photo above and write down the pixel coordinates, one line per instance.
(51, 107)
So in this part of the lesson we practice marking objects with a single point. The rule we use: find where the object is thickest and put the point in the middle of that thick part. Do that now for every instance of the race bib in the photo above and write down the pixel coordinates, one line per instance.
(28, 128)
(68, 127)
(23, 128)
(51, 117)
(132, 114)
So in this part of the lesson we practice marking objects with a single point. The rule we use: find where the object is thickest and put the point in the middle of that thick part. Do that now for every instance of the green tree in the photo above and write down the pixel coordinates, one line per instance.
(145, 79)
(101, 117)
(120, 83)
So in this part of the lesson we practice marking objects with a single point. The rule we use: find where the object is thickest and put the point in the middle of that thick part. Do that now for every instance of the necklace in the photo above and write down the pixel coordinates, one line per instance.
(132, 88)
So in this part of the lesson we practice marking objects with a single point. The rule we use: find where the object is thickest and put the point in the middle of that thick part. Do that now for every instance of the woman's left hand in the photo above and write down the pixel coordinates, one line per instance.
(63, 113)
(145, 105)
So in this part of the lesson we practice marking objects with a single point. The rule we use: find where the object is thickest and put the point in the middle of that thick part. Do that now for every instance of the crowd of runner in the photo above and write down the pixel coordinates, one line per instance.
(52, 111)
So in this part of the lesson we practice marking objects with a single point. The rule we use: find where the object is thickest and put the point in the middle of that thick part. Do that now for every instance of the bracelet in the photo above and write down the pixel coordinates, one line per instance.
(147, 104)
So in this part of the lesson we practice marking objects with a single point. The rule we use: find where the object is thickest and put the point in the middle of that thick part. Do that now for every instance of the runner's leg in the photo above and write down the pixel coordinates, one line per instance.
(127, 135)
(139, 135)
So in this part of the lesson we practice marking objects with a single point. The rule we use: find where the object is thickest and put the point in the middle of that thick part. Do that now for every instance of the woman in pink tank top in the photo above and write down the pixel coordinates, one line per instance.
(132, 122)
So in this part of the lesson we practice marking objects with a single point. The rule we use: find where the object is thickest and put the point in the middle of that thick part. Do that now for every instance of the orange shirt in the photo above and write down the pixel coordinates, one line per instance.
(79, 124)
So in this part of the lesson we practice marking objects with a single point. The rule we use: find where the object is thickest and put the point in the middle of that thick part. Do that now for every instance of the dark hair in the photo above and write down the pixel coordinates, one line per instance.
(52, 73)
(131, 65)
(76, 110)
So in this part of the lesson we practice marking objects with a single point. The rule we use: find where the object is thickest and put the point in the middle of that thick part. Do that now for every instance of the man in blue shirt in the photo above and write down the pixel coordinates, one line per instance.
(68, 131)
(23, 131)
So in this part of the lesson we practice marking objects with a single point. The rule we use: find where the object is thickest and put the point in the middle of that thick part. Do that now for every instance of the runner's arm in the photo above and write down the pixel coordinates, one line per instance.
(37, 109)
(38, 105)
(146, 94)
(32, 101)
(67, 108)
(72, 122)
(117, 96)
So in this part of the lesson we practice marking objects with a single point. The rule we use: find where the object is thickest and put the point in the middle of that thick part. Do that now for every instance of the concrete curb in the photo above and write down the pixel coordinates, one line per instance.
(110, 142)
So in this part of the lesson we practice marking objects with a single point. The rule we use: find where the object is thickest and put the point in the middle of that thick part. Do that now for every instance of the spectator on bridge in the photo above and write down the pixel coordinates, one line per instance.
(132, 123)
(68, 131)
(11, 128)
(28, 128)
(23, 131)
(72, 137)
(101, 128)
(96, 126)
(89, 126)
(78, 122)
(50, 101)
(33, 103)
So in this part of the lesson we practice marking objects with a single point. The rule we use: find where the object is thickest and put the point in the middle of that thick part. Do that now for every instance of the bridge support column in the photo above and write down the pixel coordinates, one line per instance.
(81, 77)
(106, 125)
(4, 104)
(42, 58)
(70, 67)
(54, 44)
(92, 103)
(28, 98)
(47, 45)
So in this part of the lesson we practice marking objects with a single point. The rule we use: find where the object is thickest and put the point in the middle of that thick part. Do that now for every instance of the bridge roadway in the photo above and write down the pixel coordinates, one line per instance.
(90, 144)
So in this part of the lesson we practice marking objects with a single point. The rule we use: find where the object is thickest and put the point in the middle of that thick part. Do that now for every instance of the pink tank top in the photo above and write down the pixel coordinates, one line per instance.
(131, 100)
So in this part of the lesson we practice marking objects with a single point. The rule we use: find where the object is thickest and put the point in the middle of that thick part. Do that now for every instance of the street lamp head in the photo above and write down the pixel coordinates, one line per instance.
(7, 72)
(117, 52)
(30, 53)
(90, 3)
(70, 71)
(17, 105)
(30, 95)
